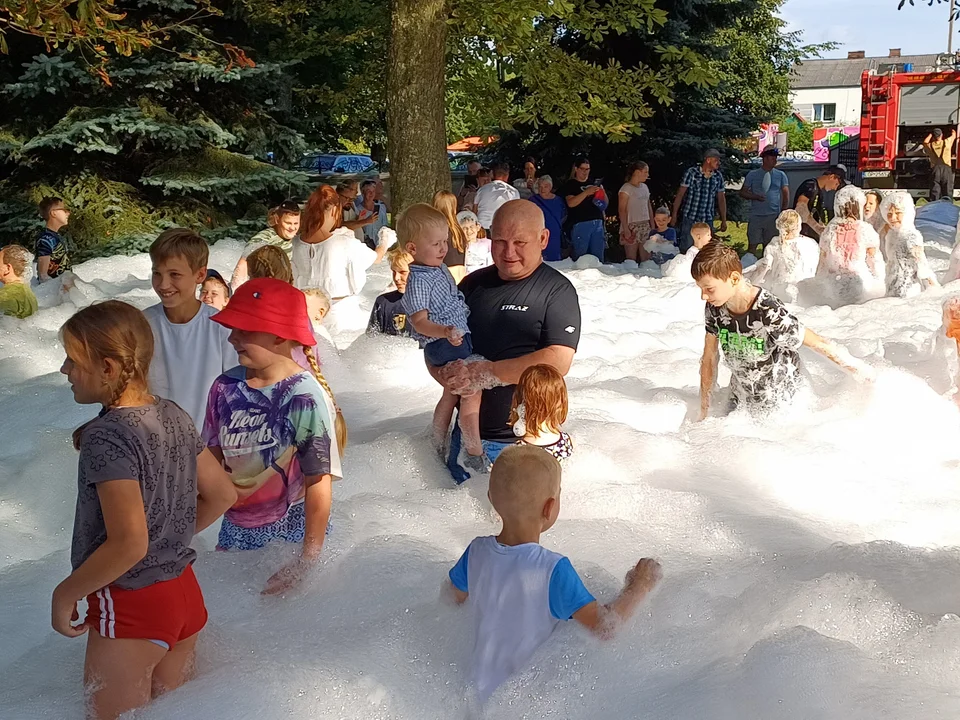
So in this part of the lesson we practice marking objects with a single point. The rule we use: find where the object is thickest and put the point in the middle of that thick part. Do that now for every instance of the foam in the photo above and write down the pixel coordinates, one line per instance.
(810, 561)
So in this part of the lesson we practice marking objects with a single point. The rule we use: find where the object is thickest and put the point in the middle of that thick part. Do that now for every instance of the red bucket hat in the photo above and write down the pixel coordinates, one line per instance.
(271, 306)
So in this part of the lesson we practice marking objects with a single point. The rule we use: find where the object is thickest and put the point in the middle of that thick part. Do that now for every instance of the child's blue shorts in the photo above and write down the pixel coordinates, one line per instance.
(440, 352)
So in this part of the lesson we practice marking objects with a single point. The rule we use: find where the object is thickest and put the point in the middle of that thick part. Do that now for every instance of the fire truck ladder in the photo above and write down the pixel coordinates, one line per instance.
(876, 101)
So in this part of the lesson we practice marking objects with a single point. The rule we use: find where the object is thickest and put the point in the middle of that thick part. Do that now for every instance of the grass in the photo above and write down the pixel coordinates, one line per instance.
(735, 237)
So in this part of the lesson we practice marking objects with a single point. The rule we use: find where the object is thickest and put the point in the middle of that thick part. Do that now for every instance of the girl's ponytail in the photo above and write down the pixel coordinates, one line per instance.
(340, 425)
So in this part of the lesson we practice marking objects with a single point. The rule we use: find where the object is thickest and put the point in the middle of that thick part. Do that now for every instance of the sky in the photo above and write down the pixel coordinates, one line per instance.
(871, 25)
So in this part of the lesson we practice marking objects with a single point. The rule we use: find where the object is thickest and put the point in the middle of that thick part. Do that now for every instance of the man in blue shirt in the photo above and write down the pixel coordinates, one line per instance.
(768, 191)
(699, 197)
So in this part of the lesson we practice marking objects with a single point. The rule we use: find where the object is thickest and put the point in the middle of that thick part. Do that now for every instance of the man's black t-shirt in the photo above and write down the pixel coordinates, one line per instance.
(510, 319)
(586, 210)
(388, 315)
(819, 202)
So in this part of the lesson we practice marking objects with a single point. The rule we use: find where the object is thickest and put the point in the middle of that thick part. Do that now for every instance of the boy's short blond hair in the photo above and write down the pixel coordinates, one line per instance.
(399, 258)
(717, 260)
(523, 478)
(416, 220)
(17, 257)
(320, 295)
(181, 242)
(701, 227)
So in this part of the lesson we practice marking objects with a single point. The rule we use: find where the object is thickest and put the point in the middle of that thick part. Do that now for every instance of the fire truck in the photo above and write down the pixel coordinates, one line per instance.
(900, 107)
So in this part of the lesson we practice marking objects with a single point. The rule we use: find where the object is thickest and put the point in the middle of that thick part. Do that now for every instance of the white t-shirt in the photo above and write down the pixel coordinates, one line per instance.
(518, 595)
(188, 357)
(338, 265)
(489, 199)
(349, 215)
(638, 208)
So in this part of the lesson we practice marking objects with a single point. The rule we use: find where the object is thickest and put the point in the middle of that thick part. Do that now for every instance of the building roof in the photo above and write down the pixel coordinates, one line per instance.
(846, 72)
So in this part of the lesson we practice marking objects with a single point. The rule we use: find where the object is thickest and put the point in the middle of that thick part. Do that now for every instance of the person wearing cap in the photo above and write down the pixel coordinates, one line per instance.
(215, 291)
(700, 196)
(478, 254)
(939, 150)
(283, 223)
(814, 200)
(269, 422)
(768, 191)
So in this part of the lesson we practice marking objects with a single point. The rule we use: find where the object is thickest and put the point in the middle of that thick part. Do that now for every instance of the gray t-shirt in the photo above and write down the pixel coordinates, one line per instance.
(157, 445)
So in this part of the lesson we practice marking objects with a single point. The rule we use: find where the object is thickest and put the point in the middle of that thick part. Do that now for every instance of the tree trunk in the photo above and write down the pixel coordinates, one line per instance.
(416, 128)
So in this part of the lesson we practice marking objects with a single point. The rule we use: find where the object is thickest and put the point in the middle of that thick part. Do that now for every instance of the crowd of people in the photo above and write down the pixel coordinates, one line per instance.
(214, 404)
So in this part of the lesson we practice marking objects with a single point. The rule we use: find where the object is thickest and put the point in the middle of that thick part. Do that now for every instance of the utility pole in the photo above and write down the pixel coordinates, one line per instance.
(952, 4)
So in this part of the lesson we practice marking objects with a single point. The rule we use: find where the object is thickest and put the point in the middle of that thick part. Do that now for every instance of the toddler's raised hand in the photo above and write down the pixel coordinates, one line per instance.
(454, 336)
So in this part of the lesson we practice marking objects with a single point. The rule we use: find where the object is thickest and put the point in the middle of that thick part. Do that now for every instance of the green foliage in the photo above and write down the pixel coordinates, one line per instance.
(221, 177)
(178, 136)
(799, 134)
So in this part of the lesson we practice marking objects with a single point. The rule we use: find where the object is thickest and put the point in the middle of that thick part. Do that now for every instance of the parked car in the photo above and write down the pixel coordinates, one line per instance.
(459, 160)
(336, 164)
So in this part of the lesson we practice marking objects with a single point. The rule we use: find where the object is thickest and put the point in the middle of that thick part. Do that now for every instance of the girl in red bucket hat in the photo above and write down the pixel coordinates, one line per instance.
(269, 424)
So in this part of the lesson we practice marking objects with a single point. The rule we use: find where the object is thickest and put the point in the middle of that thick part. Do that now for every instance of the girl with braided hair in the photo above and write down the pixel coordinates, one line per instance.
(147, 485)
(270, 423)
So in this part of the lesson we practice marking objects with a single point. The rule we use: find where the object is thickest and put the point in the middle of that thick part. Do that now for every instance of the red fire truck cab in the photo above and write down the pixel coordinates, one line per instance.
(899, 110)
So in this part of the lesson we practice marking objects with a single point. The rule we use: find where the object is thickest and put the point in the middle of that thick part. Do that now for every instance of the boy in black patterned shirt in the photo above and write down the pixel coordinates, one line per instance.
(759, 337)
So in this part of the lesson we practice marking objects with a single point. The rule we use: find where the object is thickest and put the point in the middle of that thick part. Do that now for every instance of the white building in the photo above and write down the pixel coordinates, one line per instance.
(828, 91)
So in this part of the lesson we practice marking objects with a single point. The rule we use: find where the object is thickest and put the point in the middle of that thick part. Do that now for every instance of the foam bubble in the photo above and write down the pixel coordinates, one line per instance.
(810, 561)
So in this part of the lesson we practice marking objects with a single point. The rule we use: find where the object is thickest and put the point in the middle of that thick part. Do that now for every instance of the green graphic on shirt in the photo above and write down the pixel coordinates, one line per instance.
(744, 345)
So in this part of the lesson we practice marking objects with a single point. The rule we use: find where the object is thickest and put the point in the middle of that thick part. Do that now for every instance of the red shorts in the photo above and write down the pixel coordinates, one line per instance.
(165, 612)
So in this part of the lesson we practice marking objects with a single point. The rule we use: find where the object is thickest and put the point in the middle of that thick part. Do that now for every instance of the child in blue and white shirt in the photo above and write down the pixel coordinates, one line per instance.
(437, 312)
(520, 591)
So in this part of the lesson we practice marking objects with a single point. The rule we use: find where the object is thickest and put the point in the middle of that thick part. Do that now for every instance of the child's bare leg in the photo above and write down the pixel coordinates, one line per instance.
(470, 423)
(118, 674)
(176, 667)
(442, 416)
(630, 251)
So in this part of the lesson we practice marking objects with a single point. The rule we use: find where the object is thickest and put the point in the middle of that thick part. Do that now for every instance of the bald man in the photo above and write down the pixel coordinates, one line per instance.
(522, 313)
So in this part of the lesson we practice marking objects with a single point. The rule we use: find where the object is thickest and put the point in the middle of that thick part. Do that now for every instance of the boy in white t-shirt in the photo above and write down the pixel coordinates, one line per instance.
(189, 351)
(518, 590)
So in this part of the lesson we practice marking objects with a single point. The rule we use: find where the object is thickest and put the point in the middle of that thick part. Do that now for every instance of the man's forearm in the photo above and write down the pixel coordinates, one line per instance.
(557, 356)
(722, 206)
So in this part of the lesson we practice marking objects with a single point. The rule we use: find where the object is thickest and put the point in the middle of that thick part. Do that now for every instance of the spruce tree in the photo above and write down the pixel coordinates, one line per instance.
(174, 135)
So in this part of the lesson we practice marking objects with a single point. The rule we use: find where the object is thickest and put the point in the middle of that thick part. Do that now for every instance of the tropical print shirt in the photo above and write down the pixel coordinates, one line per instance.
(760, 348)
(271, 438)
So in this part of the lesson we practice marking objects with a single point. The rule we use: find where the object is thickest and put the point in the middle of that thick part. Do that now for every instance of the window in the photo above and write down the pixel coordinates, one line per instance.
(825, 113)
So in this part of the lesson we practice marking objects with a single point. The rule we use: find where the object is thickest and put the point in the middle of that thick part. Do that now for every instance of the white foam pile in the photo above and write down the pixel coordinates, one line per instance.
(811, 567)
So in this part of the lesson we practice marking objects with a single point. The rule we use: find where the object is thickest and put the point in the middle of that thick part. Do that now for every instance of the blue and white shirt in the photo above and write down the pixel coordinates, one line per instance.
(434, 290)
(700, 202)
(518, 595)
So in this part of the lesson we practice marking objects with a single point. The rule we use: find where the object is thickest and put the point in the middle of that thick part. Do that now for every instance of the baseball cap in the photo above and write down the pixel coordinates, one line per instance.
(271, 306)
(467, 216)
(712, 153)
(214, 275)
(770, 150)
(837, 171)
(937, 132)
